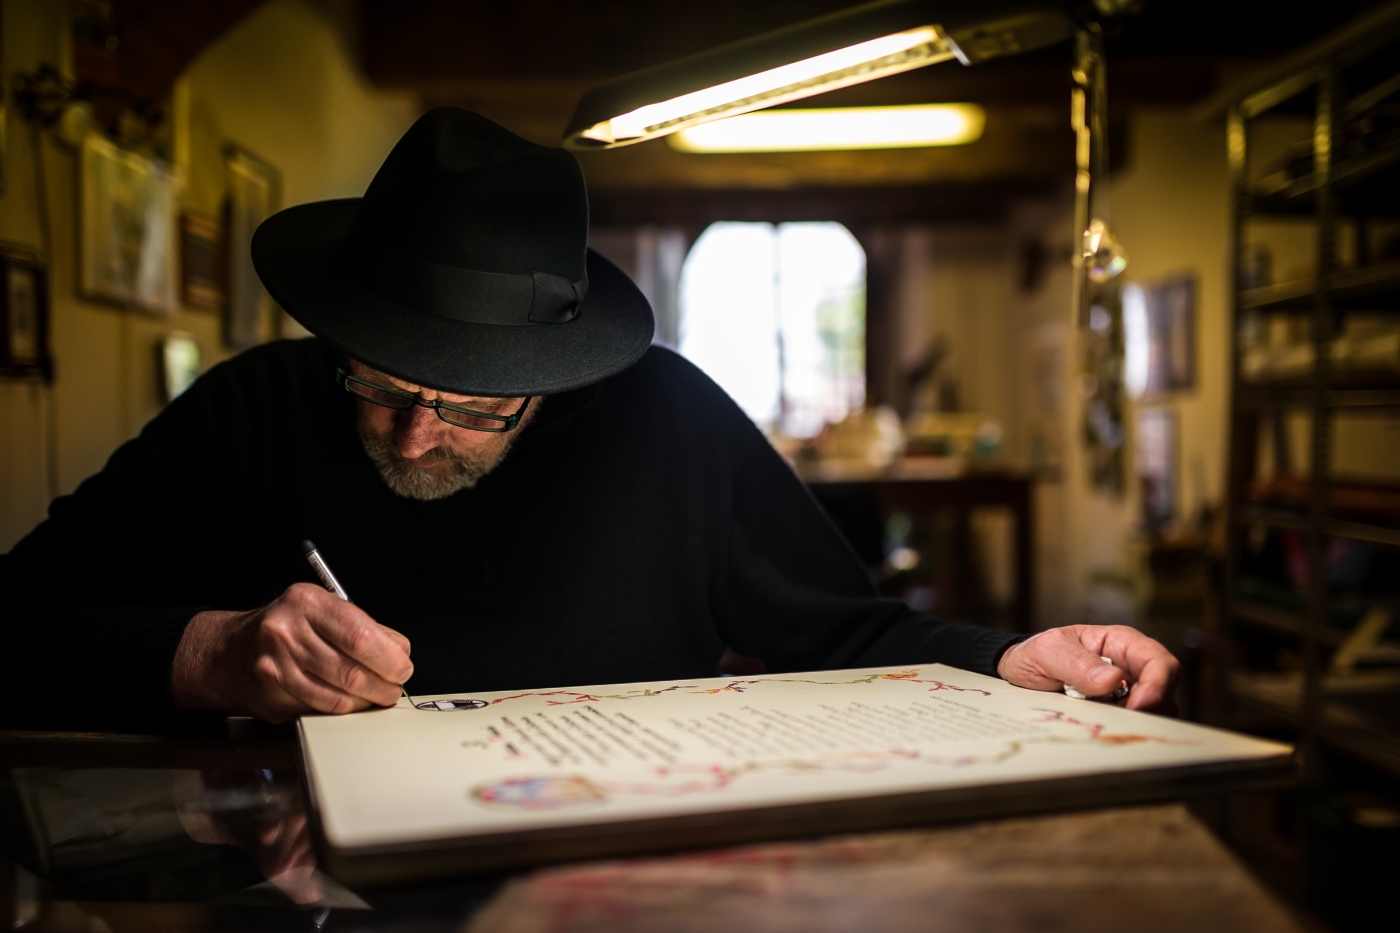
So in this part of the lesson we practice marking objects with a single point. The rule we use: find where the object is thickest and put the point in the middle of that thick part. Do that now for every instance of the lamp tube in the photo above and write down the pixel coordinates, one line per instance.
(843, 48)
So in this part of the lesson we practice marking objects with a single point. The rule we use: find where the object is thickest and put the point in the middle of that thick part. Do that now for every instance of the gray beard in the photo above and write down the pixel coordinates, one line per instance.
(411, 482)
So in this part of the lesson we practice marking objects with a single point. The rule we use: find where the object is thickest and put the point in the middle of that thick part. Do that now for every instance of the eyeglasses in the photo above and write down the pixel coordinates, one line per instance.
(455, 415)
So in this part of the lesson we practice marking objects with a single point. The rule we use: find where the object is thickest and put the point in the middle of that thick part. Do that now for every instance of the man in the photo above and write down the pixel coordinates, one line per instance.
(514, 488)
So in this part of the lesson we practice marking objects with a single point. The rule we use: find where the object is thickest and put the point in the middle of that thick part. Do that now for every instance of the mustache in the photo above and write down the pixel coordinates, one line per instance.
(436, 455)
(460, 470)
(406, 478)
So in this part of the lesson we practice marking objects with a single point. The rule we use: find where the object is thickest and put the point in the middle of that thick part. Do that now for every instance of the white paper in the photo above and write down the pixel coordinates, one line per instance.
(534, 759)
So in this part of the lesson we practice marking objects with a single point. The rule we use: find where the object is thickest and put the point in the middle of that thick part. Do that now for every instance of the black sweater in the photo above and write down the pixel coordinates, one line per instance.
(636, 529)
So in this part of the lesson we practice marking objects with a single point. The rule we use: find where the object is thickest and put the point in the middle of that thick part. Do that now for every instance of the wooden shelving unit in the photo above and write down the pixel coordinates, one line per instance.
(1375, 286)
(1353, 181)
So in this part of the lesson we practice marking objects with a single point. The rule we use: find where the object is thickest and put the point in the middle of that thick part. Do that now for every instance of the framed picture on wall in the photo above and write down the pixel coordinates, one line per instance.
(24, 315)
(1156, 467)
(1159, 336)
(202, 257)
(127, 228)
(254, 194)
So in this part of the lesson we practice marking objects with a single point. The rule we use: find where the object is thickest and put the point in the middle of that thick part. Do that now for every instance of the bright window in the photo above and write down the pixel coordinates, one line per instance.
(775, 313)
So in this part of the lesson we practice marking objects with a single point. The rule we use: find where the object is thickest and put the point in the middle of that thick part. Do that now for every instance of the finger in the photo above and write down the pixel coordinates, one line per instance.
(314, 656)
(287, 636)
(1131, 649)
(269, 834)
(288, 846)
(1152, 669)
(313, 695)
(351, 630)
(1154, 685)
(275, 705)
(301, 885)
(1084, 670)
(292, 868)
(398, 638)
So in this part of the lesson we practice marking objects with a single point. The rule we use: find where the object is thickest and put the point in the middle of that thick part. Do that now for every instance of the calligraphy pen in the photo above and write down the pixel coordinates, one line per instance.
(323, 570)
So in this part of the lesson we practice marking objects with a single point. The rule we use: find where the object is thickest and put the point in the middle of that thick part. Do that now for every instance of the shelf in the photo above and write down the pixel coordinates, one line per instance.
(1369, 500)
(1288, 78)
(1278, 621)
(1377, 745)
(1364, 531)
(1280, 519)
(1283, 691)
(1285, 520)
(1295, 197)
(1264, 397)
(1267, 614)
(1343, 725)
(1371, 379)
(1276, 695)
(1371, 288)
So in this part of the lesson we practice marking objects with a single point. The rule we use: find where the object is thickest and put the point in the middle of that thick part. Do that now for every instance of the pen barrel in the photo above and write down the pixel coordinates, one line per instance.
(327, 578)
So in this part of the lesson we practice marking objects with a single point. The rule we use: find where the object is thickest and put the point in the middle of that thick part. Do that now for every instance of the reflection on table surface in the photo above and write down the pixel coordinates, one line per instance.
(214, 836)
(144, 833)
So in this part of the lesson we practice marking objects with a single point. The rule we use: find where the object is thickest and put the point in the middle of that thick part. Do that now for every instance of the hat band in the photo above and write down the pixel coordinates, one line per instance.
(467, 294)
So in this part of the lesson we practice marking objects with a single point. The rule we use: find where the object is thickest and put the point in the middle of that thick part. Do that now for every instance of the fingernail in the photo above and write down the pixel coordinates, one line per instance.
(1106, 676)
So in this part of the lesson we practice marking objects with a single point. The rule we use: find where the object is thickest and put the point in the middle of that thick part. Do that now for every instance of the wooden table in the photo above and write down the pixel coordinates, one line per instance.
(911, 487)
(1139, 869)
(1142, 870)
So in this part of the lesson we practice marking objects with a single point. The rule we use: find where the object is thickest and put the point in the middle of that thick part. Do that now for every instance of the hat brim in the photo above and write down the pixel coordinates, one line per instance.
(297, 253)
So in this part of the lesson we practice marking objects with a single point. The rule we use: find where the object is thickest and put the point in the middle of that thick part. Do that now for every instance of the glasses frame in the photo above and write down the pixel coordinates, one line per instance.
(344, 377)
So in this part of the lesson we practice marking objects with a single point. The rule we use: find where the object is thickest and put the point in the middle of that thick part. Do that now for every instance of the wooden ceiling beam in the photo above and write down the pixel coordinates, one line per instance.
(145, 45)
(978, 202)
(409, 42)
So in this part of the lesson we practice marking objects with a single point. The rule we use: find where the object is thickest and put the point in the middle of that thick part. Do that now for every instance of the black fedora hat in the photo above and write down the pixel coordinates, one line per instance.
(464, 268)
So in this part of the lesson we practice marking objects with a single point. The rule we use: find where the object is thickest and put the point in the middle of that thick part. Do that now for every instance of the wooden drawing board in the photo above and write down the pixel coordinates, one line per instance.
(551, 774)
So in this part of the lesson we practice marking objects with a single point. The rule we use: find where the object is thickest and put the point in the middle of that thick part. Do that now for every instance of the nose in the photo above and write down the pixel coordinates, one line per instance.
(417, 431)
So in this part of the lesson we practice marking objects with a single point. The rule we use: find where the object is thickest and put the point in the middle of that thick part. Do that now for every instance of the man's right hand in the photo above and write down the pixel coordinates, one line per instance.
(309, 651)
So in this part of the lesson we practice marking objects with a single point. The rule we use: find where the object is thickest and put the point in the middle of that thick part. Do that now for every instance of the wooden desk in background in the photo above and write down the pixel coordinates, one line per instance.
(1144, 869)
(915, 487)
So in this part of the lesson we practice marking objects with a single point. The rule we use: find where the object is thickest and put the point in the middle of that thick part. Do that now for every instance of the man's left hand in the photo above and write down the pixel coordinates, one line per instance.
(1074, 655)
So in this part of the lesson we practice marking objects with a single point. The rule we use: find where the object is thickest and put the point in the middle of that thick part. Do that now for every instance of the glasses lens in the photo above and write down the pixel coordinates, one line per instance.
(486, 414)
(464, 419)
(376, 395)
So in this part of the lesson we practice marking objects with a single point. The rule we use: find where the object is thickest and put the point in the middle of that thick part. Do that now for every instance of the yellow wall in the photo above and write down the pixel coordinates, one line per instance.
(1170, 209)
(1169, 206)
(283, 85)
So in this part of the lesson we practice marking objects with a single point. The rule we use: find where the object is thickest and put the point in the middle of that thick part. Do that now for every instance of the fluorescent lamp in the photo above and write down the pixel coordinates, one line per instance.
(811, 129)
(837, 50)
(863, 61)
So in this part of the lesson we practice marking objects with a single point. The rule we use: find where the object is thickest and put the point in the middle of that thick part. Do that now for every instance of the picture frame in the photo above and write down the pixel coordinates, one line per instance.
(127, 237)
(203, 263)
(1159, 330)
(254, 194)
(1157, 467)
(24, 315)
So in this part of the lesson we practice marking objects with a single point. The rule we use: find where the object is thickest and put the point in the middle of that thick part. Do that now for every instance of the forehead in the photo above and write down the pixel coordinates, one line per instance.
(366, 371)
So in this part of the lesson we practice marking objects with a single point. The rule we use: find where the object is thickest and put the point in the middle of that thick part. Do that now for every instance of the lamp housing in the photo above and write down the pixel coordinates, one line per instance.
(833, 51)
